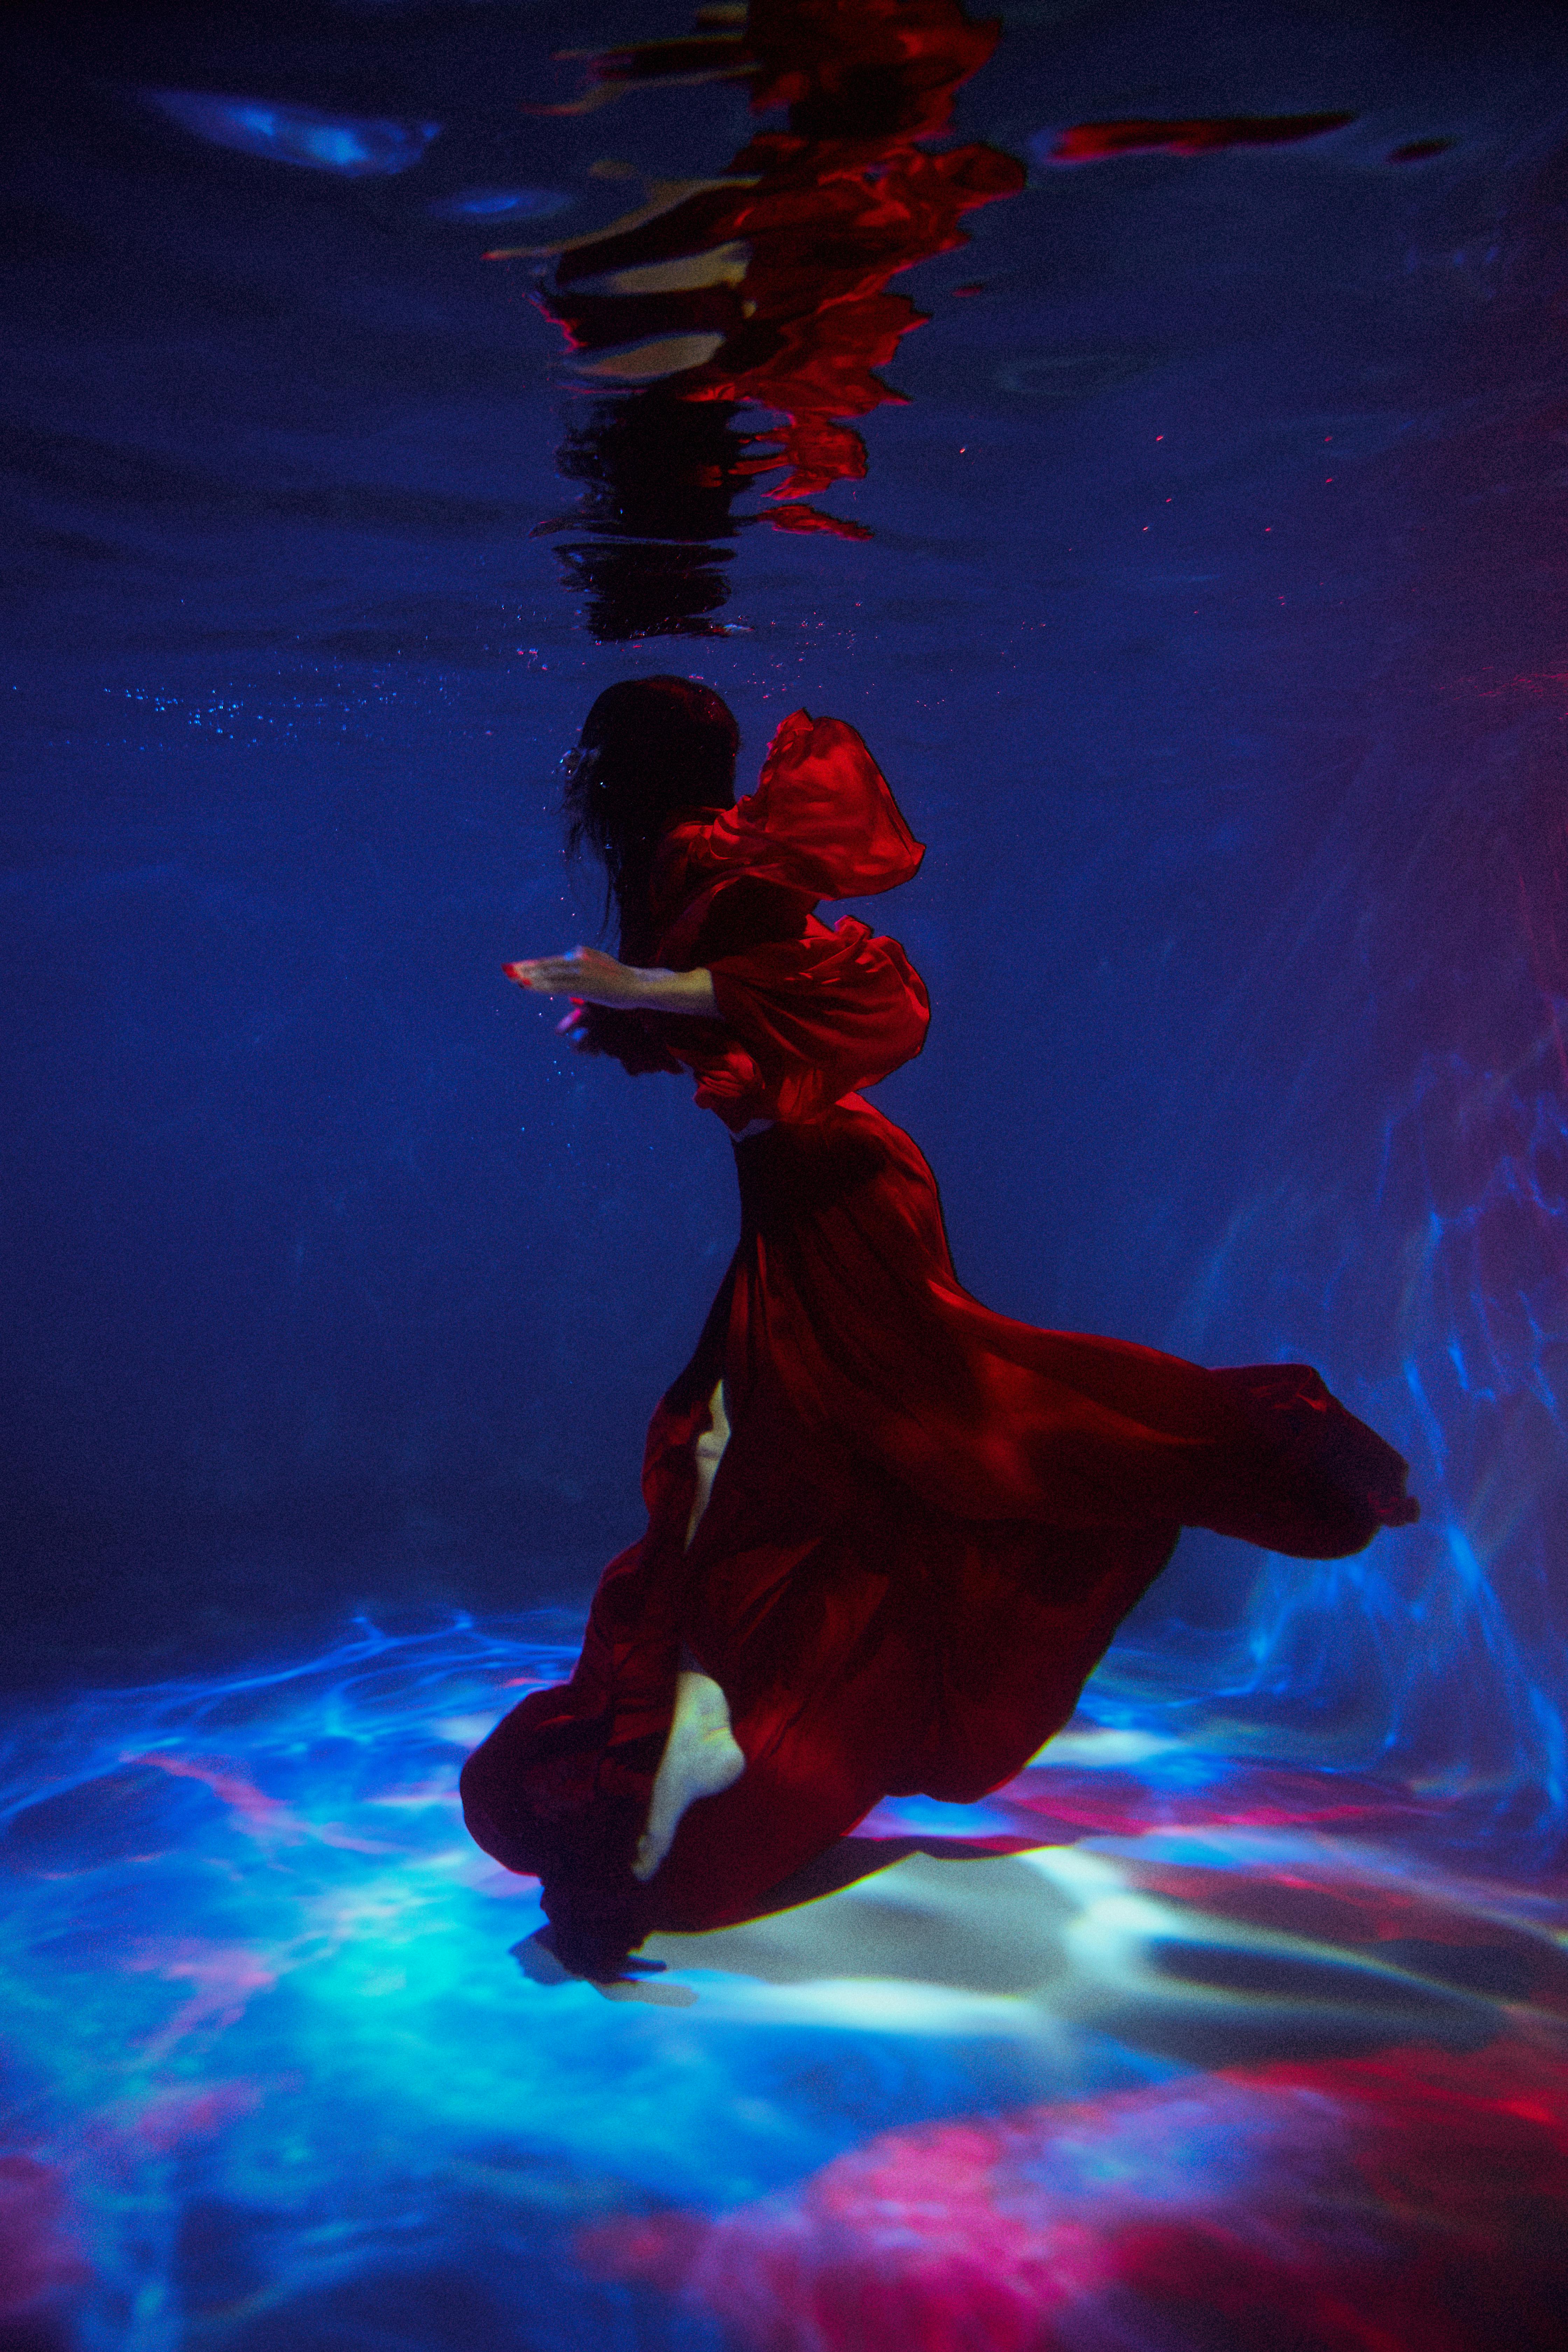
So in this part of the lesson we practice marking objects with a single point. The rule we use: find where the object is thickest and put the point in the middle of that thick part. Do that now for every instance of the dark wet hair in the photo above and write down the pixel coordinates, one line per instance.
(650, 746)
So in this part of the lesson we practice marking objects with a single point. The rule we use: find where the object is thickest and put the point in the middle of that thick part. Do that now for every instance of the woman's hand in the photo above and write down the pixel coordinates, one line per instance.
(594, 978)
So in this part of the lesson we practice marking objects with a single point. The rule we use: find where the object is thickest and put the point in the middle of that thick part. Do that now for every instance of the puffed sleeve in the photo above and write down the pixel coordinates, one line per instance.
(822, 819)
(805, 1014)
(812, 1019)
(822, 823)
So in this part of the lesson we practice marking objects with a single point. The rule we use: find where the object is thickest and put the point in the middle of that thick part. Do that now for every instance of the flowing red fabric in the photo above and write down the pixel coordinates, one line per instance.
(929, 1520)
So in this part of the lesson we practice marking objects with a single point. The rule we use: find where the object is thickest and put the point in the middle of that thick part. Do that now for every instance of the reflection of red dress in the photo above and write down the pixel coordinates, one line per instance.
(929, 1520)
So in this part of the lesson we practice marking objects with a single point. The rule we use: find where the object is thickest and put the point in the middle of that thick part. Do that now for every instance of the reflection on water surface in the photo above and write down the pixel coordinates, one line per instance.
(765, 288)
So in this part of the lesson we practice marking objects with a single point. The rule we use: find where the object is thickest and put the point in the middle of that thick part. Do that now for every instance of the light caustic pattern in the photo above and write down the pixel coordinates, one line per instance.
(1153, 2048)
(1440, 1653)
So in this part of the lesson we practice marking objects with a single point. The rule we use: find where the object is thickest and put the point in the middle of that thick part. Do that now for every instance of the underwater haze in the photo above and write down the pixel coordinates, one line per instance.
(1150, 429)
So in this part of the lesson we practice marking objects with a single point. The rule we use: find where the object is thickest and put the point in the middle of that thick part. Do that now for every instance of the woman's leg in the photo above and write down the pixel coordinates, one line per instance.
(700, 1756)
(709, 1452)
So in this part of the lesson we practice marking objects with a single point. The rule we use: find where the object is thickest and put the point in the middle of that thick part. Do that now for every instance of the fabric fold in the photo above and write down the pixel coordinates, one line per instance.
(930, 1518)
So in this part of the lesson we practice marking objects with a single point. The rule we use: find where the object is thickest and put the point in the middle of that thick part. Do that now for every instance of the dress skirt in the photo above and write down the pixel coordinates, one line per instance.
(927, 1525)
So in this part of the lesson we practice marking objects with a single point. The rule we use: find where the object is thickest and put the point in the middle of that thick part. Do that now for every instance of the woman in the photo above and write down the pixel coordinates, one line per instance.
(889, 1532)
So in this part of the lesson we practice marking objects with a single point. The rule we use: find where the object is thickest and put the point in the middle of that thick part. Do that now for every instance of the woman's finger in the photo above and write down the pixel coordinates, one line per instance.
(545, 973)
(561, 974)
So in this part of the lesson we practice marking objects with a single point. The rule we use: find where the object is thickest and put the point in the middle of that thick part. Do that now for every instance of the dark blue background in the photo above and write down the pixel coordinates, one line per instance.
(1211, 634)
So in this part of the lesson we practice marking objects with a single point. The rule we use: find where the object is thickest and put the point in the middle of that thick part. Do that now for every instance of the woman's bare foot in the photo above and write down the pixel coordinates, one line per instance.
(700, 1756)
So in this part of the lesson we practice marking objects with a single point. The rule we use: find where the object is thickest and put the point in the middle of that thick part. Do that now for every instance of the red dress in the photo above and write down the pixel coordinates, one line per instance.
(929, 1519)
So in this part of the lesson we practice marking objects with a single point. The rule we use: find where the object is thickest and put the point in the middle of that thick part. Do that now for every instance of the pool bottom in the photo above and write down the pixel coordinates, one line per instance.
(1156, 2050)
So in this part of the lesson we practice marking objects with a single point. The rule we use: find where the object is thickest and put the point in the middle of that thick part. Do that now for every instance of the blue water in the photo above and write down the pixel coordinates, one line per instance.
(1209, 627)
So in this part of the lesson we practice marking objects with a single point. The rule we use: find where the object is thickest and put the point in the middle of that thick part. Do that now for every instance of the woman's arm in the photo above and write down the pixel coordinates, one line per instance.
(598, 979)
